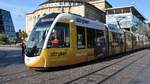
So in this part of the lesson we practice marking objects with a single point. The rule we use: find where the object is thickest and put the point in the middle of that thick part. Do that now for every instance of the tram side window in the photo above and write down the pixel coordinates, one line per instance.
(121, 39)
(60, 36)
(80, 37)
(90, 38)
(100, 39)
(117, 39)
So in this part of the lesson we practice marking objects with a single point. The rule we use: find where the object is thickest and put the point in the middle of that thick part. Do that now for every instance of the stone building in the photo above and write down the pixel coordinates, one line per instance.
(101, 4)
(92, 9)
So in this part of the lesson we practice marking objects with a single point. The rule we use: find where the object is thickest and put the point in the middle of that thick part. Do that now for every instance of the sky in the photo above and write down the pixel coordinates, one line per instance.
(19, 8)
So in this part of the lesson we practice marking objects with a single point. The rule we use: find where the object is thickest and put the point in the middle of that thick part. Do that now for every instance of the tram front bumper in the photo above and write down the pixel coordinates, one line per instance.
(34, 62)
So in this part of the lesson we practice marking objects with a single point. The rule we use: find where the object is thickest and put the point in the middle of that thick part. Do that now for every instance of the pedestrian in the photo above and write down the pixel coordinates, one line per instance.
(23, 46)
(54, 41)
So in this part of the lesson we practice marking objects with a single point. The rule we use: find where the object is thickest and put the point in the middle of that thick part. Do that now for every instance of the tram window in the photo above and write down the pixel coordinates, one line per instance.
(121, 39)
(90, 38)
(80, 37)
(117, 39)
(100, 39)
(60, 36)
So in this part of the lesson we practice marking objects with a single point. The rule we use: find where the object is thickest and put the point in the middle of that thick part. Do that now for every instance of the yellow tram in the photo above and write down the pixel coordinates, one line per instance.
(67, 39)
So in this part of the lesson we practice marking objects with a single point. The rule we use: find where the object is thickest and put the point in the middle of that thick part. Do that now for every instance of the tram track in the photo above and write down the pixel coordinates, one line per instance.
(105, 79)
(38, 73)
(86, 75)
(4, 75)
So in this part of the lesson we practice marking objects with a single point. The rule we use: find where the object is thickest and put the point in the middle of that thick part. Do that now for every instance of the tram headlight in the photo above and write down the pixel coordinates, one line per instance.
(38, 52)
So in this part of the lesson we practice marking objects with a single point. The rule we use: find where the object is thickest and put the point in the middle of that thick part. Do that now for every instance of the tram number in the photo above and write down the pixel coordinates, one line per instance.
(58, 54)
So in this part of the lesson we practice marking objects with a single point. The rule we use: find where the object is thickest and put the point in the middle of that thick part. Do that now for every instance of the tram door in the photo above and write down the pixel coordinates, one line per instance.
(81, 51)
(128, 41)
(110, 43)
(100, 47)
(91, 44)
(134, 43)
(115, 43)
(60, 45)
(124, 41)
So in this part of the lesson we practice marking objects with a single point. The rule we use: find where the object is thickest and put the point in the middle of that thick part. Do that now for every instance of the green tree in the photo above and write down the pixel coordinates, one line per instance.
(23, 35)
(3, 39)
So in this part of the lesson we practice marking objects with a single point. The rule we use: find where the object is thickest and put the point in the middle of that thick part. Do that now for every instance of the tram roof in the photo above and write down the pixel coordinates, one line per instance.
(79, 20)
(114, 28)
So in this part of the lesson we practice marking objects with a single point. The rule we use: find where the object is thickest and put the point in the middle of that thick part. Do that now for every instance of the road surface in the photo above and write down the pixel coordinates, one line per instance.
(133, 68)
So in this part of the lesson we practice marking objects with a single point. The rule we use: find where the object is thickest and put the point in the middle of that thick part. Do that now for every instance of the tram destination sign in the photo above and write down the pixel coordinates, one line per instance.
(47, 20)
(82, 21)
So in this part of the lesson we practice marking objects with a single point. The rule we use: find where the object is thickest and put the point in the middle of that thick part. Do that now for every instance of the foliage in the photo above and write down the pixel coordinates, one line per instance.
(3, 39)
(22, 35)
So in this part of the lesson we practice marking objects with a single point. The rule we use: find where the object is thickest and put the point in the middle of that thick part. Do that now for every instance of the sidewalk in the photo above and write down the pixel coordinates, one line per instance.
(11, 45)
(143, 77)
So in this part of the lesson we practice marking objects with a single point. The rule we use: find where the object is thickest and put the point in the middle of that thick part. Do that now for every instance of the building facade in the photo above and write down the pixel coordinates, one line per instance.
(128, 18)
(147, 31)
(92, 9)
(6, 24)
(100, 4)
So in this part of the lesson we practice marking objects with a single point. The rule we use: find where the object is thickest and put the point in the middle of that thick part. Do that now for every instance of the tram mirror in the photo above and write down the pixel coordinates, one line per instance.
(49, 44)
(44, 35)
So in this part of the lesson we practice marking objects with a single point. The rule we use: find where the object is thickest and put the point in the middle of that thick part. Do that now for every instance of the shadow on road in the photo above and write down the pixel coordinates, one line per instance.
(101, 60)
(10, 57)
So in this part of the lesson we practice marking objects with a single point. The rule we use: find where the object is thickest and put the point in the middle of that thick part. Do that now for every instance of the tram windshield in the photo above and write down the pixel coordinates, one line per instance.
(38, 35)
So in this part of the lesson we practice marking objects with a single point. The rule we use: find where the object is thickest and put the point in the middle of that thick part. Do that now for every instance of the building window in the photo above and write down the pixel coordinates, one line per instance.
(1, 22)
(60, 3)
(118, 11)
(38, 17)
(1, 18)
(80, 37)
(44, 14)
(34, 18)
(110, 12)
(126, 10)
